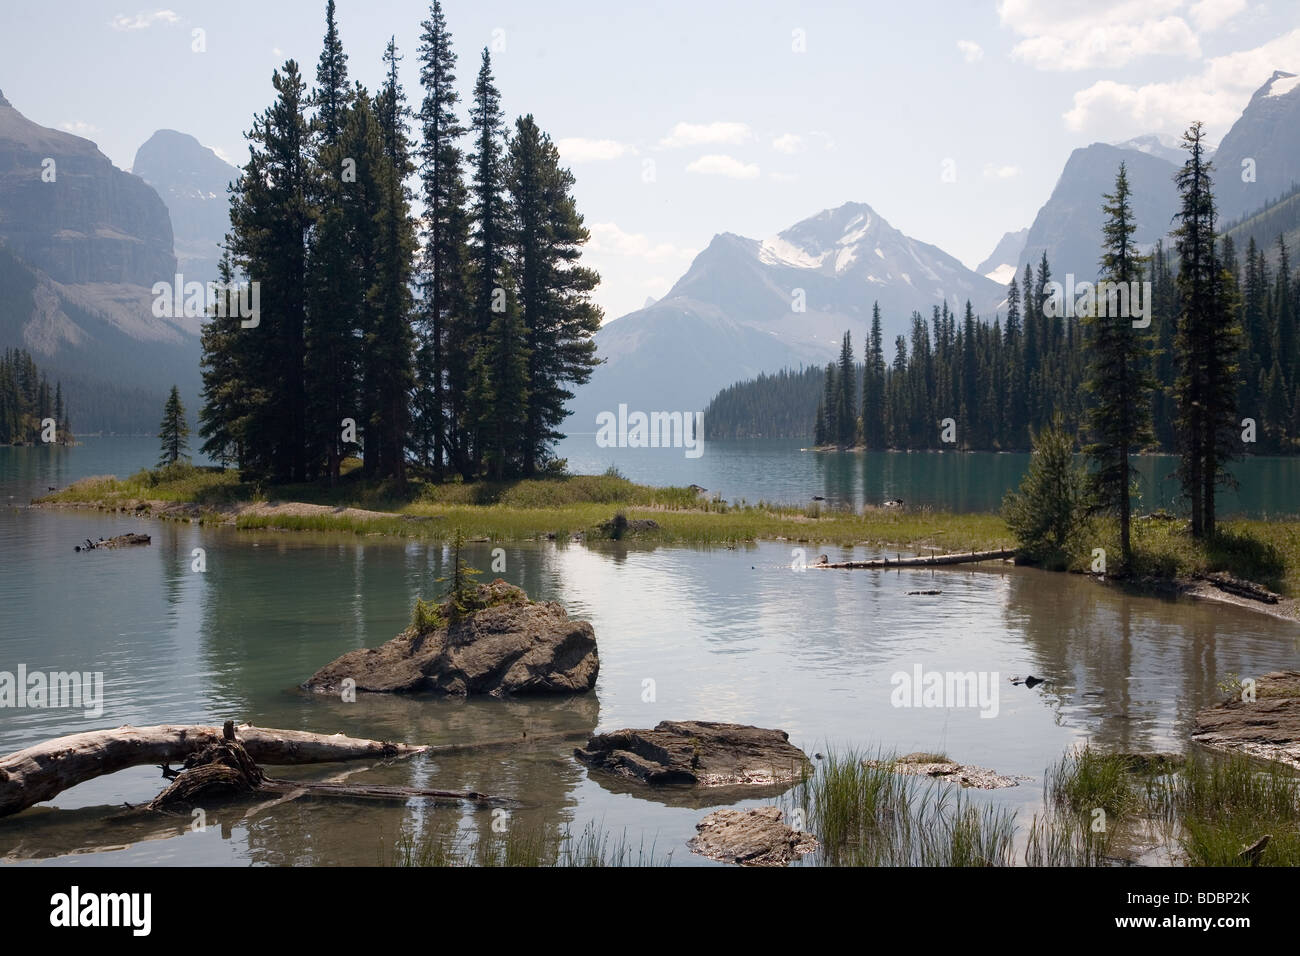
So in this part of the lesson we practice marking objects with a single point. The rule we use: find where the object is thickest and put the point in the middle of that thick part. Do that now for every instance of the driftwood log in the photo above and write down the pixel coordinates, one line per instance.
(40, 773)
(929, 561)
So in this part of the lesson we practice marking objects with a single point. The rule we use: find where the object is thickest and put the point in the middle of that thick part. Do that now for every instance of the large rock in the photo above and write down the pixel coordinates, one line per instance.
(1268, 726)
(509, 645)
(697, 752)
(757, 837)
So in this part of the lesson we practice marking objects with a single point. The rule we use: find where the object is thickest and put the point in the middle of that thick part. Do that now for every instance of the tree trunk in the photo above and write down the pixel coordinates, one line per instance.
(42, 772)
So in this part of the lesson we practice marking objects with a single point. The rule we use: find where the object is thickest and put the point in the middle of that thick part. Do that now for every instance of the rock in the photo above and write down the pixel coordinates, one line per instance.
(940, 767)
(1267, 727)
(506, 645)
(697, 752)
(757, 837)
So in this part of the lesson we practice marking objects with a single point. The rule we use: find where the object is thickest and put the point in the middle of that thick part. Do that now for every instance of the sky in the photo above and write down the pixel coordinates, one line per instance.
(681, 120)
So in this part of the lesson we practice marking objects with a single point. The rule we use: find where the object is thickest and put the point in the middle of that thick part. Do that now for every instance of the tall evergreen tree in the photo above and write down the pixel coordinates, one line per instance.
(846, 396)
(554, 288)
(1206, 341)
(874, 435)
(1118, 373)
(174, 431)
(444, 320)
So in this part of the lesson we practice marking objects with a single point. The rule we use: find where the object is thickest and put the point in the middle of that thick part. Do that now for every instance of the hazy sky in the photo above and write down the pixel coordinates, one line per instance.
(752, 115)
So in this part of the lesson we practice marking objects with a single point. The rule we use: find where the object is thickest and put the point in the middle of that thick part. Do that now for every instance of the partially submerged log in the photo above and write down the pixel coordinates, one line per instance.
(41, 772)
(119, 541)
(929, 561)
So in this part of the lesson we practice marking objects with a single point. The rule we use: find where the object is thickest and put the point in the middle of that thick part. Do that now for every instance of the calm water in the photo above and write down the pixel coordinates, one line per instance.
(724, 635)
(780, 472)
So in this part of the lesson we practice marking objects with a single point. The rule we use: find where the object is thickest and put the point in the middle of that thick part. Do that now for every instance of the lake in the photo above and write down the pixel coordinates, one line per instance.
(684, 633)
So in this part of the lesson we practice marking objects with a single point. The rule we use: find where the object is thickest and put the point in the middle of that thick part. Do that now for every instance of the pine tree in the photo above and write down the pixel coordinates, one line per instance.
(495, 417)
(846, 396)
(873, 387)
(554, 289)
(443, 319)
(174, 431)
(1118, 374)
(830, 405)
(1206, 341)
(270, 220)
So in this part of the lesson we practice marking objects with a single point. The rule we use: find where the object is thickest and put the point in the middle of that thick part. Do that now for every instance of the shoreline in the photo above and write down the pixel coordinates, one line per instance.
(667, 525)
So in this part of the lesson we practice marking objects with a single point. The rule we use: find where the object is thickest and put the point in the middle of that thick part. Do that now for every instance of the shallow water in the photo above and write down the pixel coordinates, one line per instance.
(732, 635)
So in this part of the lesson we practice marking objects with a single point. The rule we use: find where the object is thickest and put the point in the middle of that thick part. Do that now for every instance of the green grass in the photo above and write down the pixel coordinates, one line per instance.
(1222, 805)
(865, 814)
(536, 508)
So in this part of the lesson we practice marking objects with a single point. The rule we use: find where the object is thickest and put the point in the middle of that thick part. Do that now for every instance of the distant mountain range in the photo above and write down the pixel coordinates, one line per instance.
(79, 254)
(750, 305)
(81, 243)
(730, 316)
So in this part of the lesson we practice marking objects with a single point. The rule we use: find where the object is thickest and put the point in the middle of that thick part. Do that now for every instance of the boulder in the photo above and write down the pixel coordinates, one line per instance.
(506, 644)
(757, 837)
(1267, 727)
(699, 753)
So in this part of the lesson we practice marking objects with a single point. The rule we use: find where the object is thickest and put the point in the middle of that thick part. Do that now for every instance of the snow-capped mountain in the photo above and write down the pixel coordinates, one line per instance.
(751, 305)
(1000, 265)
(1259, 158)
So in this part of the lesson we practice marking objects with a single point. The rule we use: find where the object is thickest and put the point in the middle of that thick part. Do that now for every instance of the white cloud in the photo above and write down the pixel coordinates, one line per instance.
(575, 149)
(79, 128)
(788, 143)
(696, 134)
(1093, 34)
(718, 164)
(1216, 95)
(993, 171)
(142, 21)
(608, 238)
(1212, 14)
(970, 50)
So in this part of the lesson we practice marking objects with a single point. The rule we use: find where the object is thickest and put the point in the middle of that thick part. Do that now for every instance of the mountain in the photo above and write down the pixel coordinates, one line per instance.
(1267, 132)
(1281, 218)
(747, 306)
(1000, 266)
(1068, 226)
(80, 249)
(1160, 146)
(192, 181)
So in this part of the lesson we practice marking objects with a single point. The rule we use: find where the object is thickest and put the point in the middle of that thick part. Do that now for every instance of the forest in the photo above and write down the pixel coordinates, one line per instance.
(26, 400)
(1000, 380)
(447, 337)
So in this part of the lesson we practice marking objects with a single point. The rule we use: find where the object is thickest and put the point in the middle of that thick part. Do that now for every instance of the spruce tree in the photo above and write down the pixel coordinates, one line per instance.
(174, 431)
(554, 289)
(444, 333)
(846, 396)
(873, 386)
(1119, 381)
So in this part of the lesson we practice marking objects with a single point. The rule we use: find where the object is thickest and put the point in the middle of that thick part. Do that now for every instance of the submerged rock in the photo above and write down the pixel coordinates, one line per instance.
(940, 767)
(697, 752)
(506, 644)
(757, 837)
(1267, 727)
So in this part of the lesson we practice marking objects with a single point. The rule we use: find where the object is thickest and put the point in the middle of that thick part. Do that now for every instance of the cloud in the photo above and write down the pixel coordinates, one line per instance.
(608, 238)
(1211, 14)
(697, 134)
(143, 21)
(971, 50)
(718, 164)
(1216, 95)
(79, 128)
(575, 149)
(1094, 34)
(993, 171)
(788, 143)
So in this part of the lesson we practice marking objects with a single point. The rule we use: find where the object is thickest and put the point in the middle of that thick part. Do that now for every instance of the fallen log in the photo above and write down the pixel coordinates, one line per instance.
(40, 773)
(929, 561)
